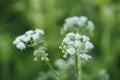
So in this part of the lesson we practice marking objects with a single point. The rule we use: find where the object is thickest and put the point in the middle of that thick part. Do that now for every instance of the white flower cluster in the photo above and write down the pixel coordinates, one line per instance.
(76, 44)
(29, 36)
(40, 53)
(32, 38)
(79, 22)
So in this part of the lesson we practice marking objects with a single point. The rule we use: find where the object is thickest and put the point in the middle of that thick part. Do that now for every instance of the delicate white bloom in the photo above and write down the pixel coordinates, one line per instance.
(89, 45)
(71, 51)
(90, 26)
(85, 56)
(78, 36)
(83, 18)
(71, 35)
(75, 23)
(30, 35)
(39, 31)
(29, 32)
(66, 40)
(40, 53)
(16, 41)
(85, 38)
(21, 46)
(27, 38)
(70, 42)
(35, 36)
(75, 44)
(82, 21)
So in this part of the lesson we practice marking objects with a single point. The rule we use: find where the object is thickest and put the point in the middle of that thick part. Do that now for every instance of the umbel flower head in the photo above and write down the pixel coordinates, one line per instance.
(77, 23)
(32, 38)
(76, 44)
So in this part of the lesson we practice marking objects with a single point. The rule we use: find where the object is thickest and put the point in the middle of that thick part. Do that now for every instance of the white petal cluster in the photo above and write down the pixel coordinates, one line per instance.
(85, 56)
(30, 35)
(80, 22)
(75, 44)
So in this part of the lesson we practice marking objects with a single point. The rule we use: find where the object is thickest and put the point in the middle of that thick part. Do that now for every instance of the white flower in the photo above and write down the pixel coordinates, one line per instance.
(90, 26)
(29, 32)
(22, 40)
(21, 46)
(75, 23)
(35, 36)
(16, 41)
(77, 36)
(75, 44)
(85, 38)
(71, 51)
(89, 45)
(85, 56)
(27, 38)
(39, 31)
(66, 40)
(82, 21)
(71, 35)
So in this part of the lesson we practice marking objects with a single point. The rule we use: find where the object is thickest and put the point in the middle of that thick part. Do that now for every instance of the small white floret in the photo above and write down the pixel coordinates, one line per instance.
(85, 56)
(71, 51)
(29, 32)
(21, 46)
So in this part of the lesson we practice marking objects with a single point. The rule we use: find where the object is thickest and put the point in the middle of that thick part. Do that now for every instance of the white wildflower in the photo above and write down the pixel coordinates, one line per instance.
(71, 35)
(85, 38)
(90, 26)
(35, 36)
(16, 41)
(78, 36)
(71, 51)
(85, 56)
(21, 46)
(89, 45)
(66, 40)
(39, 31)
(75, 44)
(75, 23)
(27, 38)
(82, 21)
(29, 32)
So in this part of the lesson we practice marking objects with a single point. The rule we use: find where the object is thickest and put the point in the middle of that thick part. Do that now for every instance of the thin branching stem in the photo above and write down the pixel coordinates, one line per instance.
(53, 70)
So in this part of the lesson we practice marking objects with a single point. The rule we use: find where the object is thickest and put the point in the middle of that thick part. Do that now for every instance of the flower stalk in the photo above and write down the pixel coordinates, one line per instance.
(53, 70)
(76, 67)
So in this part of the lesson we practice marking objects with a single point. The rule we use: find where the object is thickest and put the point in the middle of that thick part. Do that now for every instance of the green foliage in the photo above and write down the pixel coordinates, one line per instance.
(18, 16)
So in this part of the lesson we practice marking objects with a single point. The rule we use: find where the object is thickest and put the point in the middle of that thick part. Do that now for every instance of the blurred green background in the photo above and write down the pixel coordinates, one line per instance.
(18, 16)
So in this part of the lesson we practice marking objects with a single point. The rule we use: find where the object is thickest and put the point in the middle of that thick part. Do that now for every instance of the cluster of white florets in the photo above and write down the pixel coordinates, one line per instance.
(79, 22)
(76, 44)
(40, 53)
(29, 36)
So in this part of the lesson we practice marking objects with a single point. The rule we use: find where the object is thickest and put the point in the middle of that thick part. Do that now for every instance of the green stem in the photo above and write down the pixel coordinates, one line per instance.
(53, 70)
(76, 67)
(80, 73)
